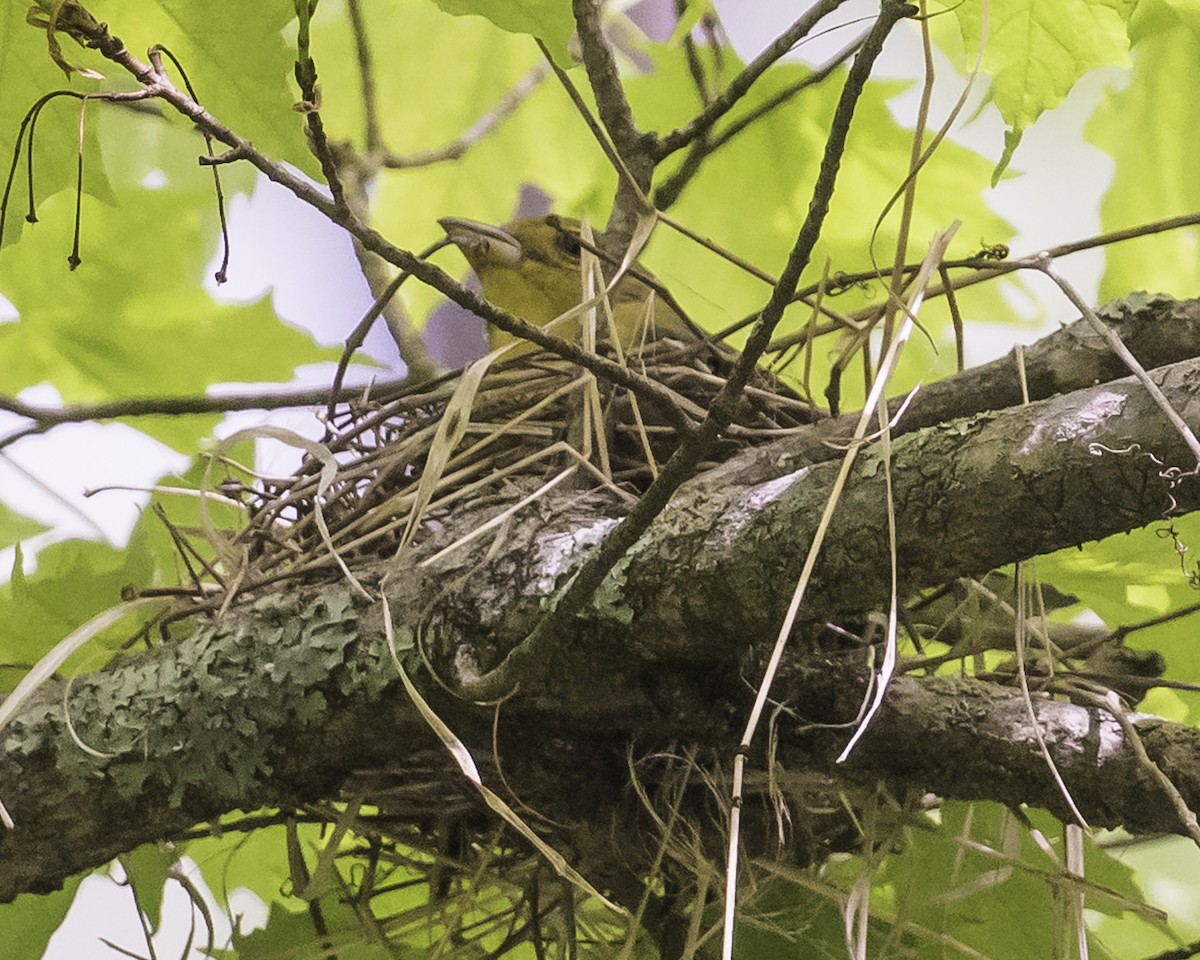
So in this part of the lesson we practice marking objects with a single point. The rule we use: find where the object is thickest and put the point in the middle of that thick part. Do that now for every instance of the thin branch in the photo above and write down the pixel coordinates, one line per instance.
(632, 146)
(739, 124)
(998, 268)
(361, 169)
(158, 85)
(402, 331)
(985, 268)
(683, 136)
(594, 125)
(419, 365)
(533, 654)
(366, 76)
(666, 194)
(46, 418)
(28, 126)
(695, 66)
(485, 125)
(310, 103)
(896, 284)
(605, 80)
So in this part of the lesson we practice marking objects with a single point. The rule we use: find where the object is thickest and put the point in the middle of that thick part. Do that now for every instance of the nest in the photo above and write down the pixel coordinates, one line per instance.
(404, 458)
(388, 467)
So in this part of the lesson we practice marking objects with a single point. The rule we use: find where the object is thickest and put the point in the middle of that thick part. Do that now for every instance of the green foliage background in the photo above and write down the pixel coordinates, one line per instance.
(134, 319)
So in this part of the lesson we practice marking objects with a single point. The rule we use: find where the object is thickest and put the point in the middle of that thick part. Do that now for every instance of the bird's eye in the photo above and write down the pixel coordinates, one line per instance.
(568, 243)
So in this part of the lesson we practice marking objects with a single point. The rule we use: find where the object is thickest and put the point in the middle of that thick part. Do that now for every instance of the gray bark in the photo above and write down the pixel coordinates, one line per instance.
(289, 695)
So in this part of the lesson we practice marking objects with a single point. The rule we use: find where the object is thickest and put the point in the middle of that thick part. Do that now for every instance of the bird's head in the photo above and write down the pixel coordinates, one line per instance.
(529, 267)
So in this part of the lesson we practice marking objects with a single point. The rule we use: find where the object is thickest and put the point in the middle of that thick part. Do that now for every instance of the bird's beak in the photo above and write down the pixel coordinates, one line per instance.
(482, 240)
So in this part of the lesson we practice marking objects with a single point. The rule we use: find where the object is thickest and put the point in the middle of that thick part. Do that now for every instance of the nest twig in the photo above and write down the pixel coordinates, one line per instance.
(524, 415)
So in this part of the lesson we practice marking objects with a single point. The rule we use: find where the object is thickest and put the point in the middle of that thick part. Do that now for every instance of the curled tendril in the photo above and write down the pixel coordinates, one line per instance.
(1099, 449)
(1172, 476)
(1181, 550)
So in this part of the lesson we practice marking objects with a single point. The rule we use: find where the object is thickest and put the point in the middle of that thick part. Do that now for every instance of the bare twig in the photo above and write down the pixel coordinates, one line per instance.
(366, 76)
(485, 125)
(532, 654)
(737, 125)
(896, 283)
(704, 147)
(631, 145)
(605, 80)
(359, 170)
(984, 269)
(594, 125)
(158, 85)
(310, 103)
(695, 65)
(28, 126)
(46, 418)
(665, 145)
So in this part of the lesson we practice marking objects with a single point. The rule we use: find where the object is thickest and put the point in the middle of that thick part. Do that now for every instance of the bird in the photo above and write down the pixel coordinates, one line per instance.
(531, 269)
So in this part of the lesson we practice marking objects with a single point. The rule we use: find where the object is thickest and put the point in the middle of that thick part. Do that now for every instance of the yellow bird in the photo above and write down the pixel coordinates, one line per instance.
(530, 268)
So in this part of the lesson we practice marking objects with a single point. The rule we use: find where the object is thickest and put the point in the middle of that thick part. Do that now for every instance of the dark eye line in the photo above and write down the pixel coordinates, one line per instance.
(568, 243)
(532, 253)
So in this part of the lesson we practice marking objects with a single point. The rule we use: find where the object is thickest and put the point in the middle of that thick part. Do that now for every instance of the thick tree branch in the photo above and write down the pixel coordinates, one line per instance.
(1158, 329)
(712, 575)
(272, 705)
(973, 741)
(289, 697)
(532, 654)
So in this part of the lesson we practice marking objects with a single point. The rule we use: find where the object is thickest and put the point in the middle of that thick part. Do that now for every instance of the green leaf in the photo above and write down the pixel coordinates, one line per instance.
(1164, 868)
(74, 581)
(35, 917)
(147, 869)
(945, 889)
(1128, 578)
(234, 53)
(291, 935)
(134, 318)
(26, 74)
(15, 527)
(77, 579)
(542, 144)
(1146, 128)
(237, 59)
(1035, 51)
(779, 155)
(548, 20)
(256, 860)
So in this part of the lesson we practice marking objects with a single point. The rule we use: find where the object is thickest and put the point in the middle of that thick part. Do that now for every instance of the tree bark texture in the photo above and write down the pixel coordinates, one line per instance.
(290, 694)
